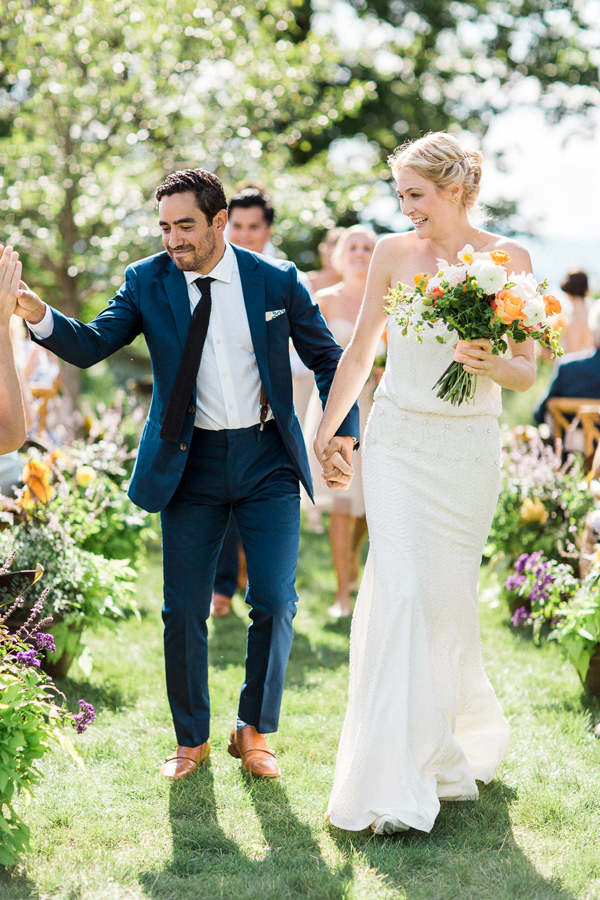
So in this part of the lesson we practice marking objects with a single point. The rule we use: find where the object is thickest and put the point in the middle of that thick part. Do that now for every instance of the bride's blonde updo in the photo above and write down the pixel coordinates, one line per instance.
(439, 158)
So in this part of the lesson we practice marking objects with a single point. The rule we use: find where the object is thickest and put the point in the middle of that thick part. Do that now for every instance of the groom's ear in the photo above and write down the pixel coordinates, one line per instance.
(220, 220)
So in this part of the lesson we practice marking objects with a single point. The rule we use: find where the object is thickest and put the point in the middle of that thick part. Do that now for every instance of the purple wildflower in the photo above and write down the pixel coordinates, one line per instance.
(85, 717)
(514, 582)
(29, 657)
(521, 617)
(45, 642)
(520, 563)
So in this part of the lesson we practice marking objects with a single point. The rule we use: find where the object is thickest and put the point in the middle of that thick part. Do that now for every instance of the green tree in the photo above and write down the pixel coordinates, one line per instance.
(99, 99)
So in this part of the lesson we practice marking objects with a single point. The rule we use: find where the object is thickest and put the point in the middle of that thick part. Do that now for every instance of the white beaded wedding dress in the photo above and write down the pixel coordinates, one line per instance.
(423, 722)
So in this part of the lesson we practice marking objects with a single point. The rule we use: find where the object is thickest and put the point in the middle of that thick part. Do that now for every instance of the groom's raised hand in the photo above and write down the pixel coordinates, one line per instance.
(336, 461)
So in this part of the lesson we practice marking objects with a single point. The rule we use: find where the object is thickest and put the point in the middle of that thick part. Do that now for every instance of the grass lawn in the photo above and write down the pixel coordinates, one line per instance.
(118, 830)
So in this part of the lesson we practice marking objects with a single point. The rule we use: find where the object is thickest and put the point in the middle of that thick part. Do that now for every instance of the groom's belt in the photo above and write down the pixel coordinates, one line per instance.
(220, 434)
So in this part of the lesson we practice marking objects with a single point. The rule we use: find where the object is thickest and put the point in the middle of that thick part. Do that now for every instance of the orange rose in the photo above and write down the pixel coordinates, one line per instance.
(552, 305)
(509, 307)
(421, 280)
(437, 292)
(500, 257)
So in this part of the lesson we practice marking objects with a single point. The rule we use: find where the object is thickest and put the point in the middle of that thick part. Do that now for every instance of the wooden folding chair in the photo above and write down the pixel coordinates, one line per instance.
(569, 414)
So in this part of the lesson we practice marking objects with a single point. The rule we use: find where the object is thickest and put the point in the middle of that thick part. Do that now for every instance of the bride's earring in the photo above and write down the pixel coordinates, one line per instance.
(454, 200)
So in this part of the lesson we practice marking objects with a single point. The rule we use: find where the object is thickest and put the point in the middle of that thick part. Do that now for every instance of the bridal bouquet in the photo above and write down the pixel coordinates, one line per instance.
(477, 299)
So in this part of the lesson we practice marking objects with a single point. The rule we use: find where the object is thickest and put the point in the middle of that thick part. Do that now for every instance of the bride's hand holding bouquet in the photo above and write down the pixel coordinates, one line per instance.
(480, 301)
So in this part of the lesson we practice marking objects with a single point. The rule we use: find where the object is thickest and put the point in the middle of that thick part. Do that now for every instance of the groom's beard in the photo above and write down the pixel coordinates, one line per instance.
(197, 257)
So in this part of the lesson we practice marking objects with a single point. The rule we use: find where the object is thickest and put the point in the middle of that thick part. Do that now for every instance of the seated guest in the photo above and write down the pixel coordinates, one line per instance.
(576, 374)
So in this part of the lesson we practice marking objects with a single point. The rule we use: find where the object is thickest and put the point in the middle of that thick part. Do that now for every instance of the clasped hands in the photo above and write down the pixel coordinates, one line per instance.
(336, 459)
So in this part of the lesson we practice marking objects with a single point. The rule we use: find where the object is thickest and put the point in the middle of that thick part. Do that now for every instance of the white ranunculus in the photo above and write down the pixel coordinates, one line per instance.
(525, 286)
(490, 277)
(455, 275)
(535, 310)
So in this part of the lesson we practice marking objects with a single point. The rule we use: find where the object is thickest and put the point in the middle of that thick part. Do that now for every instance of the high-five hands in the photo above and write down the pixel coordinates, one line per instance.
(24, 302)
(10, 279)
(336, 459)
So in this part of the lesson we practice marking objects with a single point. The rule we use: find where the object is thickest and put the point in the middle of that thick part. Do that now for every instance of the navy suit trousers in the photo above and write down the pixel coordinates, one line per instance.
(246, 473)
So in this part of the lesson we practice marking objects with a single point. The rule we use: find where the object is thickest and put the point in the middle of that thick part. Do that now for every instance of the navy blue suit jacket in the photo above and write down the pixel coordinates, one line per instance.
(154, 301)
(576, 375)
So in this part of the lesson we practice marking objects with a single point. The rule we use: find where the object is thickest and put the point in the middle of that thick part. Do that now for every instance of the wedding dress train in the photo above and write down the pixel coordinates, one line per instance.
(423, 722)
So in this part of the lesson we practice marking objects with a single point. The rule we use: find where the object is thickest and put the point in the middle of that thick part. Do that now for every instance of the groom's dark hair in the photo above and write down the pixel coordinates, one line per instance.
(206, 188)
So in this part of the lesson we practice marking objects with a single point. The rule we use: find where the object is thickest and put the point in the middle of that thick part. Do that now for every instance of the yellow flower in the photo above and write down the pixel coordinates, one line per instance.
(533, 511)
(85, 475)
(36, 475)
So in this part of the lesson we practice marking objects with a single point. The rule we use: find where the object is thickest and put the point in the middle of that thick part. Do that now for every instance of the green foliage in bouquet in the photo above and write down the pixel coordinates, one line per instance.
(542, 504)
(32, 716)
(578, 633)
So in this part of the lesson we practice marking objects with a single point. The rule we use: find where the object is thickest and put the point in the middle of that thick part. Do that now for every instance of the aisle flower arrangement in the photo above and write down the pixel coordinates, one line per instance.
(476, 299)
(539, 592)
(33, 714)
(72, 515)
(578, 632)
(542, 505)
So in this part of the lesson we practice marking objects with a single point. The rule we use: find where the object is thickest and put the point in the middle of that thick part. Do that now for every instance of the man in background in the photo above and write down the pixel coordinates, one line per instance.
(250, 226)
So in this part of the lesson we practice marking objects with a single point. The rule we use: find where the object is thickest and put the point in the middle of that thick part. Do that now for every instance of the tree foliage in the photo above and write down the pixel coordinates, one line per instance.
(99, 100)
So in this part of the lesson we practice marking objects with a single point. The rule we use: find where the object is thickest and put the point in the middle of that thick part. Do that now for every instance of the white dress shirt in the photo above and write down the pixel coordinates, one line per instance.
(228, 384)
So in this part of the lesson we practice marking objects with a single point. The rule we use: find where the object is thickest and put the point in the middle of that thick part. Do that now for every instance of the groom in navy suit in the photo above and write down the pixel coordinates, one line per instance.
(221, 436)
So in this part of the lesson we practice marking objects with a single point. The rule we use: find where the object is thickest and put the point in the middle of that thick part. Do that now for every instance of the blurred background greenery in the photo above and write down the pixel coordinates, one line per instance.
(99, 100)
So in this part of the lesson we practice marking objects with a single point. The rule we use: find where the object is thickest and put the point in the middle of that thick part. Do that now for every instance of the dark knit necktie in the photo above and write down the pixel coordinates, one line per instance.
(188, 368)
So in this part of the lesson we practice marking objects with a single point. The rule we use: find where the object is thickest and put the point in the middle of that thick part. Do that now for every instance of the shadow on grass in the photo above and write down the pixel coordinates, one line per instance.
(207, 863)
(15, 885)
(102, 696)
(471, 854)
(227, 647)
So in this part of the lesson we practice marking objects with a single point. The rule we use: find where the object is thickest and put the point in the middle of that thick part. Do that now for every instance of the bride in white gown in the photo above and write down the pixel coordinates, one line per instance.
(422, 722)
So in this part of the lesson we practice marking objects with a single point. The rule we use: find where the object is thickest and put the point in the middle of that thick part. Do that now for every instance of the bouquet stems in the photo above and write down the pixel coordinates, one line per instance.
(456, 385)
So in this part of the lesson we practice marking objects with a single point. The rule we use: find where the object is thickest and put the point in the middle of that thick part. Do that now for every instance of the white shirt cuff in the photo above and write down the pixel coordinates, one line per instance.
(43, 329)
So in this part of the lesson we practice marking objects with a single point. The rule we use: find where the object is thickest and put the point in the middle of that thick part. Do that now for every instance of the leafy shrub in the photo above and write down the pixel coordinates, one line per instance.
(32, 716)
(578, 633)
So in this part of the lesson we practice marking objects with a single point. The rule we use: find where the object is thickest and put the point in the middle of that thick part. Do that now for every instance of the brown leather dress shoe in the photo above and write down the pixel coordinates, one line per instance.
(185, 761)
(220, 606)
(251, 747)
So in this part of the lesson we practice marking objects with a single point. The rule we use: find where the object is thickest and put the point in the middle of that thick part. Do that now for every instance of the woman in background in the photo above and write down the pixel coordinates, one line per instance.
(340, 305)
(577, 334)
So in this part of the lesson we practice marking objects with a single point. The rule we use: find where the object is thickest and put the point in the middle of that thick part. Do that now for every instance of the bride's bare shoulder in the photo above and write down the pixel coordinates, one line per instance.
(390, 246)
(519, 254)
